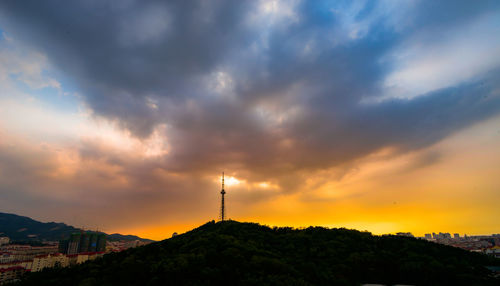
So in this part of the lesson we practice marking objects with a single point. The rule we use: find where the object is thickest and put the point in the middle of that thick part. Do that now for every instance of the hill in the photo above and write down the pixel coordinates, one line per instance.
(21, 228)
(233, 253)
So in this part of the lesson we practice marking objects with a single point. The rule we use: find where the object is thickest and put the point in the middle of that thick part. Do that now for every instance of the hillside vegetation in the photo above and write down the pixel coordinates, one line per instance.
(233, 253)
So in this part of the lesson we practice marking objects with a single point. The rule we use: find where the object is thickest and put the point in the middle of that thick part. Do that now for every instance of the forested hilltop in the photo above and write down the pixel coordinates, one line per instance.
(233, 253)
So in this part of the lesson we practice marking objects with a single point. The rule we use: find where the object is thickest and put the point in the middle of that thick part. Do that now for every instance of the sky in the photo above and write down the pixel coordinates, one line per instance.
(375, 115)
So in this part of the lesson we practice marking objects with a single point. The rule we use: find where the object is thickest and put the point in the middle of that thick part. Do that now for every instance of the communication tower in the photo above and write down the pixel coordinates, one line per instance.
(222, 214)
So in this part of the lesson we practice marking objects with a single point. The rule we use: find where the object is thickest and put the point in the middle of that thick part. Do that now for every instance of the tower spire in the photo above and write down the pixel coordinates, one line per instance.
(222, 213)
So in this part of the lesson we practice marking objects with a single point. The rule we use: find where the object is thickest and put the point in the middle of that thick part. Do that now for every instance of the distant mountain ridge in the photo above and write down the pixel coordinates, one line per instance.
(21, 228)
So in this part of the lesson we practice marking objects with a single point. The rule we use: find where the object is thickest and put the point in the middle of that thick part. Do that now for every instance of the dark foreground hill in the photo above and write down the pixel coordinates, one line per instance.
(233, 253)
(21, 228)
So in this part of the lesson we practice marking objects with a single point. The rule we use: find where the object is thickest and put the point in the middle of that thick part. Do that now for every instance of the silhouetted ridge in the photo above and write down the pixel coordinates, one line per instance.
(233, 253)
(21, 228)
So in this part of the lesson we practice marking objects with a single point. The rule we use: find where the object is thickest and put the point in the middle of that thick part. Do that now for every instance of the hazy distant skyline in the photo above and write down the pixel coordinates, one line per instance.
(376, 115)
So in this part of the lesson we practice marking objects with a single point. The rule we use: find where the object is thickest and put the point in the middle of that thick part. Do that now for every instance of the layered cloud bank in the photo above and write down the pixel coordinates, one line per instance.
(121, 113)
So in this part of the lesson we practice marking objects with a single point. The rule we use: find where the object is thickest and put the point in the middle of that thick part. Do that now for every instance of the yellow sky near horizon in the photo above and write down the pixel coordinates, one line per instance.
(457, 192)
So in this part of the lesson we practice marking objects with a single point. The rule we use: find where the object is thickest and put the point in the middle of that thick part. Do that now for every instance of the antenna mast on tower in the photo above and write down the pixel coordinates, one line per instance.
(222, 213)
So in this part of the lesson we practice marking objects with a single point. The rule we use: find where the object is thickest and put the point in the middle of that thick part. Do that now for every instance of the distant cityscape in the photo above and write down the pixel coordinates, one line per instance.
(17, 259)
(488, 244)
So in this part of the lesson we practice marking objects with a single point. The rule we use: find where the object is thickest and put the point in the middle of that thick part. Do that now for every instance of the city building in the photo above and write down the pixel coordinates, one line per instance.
(15, 252)
(74, 243)
(488, 244)
(17, 259)
(11, 274)
(494, 251)
(92, 243)
(48, 261)
(83, 242)
(63, 246)
(407, 234)
(5, 257)
(101, 243)
(26, 264)
(4, 240)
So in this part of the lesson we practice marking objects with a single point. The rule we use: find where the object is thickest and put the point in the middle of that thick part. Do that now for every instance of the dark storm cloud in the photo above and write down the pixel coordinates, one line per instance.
(268, 95)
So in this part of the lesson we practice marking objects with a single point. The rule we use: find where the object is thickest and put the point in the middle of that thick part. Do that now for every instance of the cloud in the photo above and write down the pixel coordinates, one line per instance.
(147, 25)
(282, 101)
(92, 180)
(273, 91)
(423, 64)
(24, 65)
